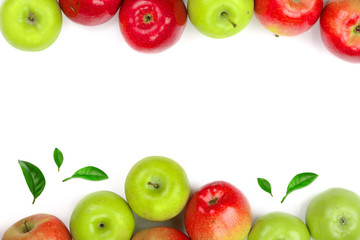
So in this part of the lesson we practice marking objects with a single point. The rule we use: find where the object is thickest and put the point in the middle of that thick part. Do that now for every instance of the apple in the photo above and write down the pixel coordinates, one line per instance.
(279, 225)
(160, 233)
(288, 17)
(102, 215)
(152, 26)
(157, 188)
(90, 12)
(218, 211)
(334, 215)
(38, 226)
(220, 18)
(30, 25)
(340, 29)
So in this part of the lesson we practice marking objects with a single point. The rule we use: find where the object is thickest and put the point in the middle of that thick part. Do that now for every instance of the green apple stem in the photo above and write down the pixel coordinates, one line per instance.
(226, 15)
(153, 184)
(342, 221)
(31, 19)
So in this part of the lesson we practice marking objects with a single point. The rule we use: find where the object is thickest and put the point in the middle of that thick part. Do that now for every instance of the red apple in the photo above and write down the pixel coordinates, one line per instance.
(160, 233)
(152, 25)
(288, 17)
(218, 211)
(340, 29)
(36, 227)
(90, 12)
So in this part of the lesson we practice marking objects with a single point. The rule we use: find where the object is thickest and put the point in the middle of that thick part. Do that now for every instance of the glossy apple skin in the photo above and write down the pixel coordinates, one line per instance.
(160, 233)
(102, 215)
(40, 226)
(167, 24)
(279, 225)
(340, 29)
(288, 17)
(218, 211)
(30, 36)
(206, 16)
(90, 12)
(334, 215)
(164, 201)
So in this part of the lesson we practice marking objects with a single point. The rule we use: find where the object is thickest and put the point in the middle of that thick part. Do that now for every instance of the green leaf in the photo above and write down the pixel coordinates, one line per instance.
(34, 178)
(300, 181)
(58, 158)
(265, 185)
(89, 173)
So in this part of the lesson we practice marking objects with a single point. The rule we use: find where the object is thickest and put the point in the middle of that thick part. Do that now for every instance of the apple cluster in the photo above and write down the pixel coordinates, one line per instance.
(157, 189)
(155, 25)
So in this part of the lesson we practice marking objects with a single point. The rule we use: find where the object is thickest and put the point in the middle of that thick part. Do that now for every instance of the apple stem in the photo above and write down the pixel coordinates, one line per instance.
(213, 201)
(226, 15)
(101, 225)
(148, 18)
(357, 29)
(153, 184)
(31, 19)
(26, 226)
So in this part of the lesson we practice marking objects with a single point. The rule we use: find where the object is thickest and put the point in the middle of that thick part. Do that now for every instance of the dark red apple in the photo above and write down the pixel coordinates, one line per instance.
(288, 17)
(36, 227)
(90, 12)
(152, 25)
(160, 233)
(340, 29)
(218, 211)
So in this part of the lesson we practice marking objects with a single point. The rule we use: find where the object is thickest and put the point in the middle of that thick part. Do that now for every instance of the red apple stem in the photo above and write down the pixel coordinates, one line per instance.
(226, 15)
(357, 29)
(148, 18)
(26, 226)
(153, 184)
(213, 201)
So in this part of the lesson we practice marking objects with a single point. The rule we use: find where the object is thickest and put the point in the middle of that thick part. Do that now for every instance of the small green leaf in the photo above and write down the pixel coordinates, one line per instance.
(265, 185)
(300, 181)
(89, 173)
(34, 178)
(58, 158)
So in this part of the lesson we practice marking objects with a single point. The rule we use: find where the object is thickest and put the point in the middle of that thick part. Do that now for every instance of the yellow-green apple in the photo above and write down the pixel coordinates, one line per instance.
(157, 188)
(160, 233)
(334, 215)
(102, 215)
(218, 211)
(279, 225)
(90, 12)
(340, 29)
(220, 18)
(38, 226)
(288, 17)
(30, 25)
(152, 26)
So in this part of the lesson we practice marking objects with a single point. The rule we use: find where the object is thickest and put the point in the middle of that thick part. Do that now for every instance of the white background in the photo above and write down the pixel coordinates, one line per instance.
(233, 109)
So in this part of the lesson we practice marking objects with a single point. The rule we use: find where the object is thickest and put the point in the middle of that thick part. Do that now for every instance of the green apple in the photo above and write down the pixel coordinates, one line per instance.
(334, 215)
(157, 188)
(220, 18)
(279, 225)
(102, 215)
(30, 25)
